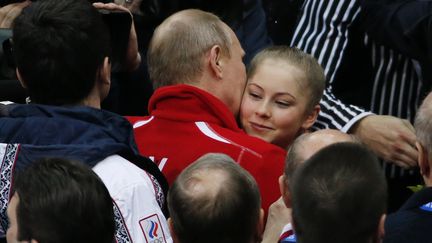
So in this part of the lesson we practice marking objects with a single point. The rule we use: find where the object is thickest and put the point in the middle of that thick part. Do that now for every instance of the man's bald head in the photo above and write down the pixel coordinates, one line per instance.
(214, 200)
(179, 45)
(310, 143)
(303, 148)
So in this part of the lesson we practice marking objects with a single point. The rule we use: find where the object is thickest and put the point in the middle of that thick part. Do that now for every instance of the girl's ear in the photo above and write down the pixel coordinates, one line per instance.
(311, 117)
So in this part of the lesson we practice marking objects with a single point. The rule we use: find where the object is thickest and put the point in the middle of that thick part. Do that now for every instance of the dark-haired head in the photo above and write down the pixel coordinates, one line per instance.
(59, 48)
(339, 195)
(57, 200)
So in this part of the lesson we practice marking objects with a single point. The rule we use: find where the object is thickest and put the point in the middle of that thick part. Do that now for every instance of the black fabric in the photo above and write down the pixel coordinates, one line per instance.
(398, 192)
(404, 25)
(410, 223)
(282, 17)
(11, 90)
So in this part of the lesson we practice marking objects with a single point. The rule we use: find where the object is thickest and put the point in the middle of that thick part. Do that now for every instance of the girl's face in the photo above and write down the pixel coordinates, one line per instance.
(274, 104)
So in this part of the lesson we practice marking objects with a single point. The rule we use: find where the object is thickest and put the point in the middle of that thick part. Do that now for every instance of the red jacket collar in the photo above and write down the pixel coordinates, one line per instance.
(188, 103)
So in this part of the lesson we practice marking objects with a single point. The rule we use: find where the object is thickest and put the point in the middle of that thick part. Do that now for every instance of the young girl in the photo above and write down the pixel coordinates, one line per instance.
(282, 95)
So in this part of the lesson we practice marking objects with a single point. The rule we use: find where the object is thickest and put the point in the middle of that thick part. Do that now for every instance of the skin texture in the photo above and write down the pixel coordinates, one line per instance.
(274, 104)
(234, 74)
(133, 57)
(12, 232)
(391, 138)
(9, 12)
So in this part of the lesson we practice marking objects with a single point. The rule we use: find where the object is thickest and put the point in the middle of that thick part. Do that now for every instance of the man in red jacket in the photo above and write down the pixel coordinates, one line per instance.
(195, 63)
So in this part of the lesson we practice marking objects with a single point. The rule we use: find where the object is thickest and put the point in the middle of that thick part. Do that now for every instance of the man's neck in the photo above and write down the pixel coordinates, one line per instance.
(92, 101)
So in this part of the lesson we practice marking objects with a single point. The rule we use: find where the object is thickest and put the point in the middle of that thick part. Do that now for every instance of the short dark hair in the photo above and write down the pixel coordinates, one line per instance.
(228, 212)
(59, 47)
(63, 201)
(339, 195)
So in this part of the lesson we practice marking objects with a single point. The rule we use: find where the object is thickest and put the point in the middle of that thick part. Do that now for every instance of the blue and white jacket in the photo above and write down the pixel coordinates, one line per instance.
(98, 138)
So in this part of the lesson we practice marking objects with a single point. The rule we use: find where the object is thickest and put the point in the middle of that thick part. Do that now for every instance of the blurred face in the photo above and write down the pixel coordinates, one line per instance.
(12, 232)
(235, 75)
(274, 105)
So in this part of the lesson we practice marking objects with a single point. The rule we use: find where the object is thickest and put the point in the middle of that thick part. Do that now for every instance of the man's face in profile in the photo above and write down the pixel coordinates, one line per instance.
(235, 73)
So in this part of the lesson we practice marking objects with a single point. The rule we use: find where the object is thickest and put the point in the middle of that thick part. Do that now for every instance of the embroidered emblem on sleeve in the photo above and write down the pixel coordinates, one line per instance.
(6, 170)
(121, 231)
(160, 197)
(152, 229)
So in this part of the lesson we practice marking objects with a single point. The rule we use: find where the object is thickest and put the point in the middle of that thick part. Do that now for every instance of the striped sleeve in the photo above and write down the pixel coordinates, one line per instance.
(337, 115)
(322, 31)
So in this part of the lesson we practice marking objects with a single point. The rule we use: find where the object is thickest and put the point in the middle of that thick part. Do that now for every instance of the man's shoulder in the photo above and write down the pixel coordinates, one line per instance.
(408, 226)
(411, 222)
(119, 172)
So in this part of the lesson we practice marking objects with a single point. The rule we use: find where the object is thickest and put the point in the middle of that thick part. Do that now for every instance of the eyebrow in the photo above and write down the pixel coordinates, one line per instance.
(277, 93)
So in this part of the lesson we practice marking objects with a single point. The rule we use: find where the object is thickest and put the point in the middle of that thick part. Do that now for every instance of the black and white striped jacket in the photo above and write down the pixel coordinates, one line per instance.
(359, 71)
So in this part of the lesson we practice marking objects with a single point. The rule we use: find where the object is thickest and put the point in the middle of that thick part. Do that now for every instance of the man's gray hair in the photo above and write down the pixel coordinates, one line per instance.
(178, 47)
(423, 124)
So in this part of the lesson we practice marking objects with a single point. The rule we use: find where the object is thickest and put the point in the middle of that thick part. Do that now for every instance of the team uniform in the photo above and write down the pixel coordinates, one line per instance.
(186, 122)
(100, 139)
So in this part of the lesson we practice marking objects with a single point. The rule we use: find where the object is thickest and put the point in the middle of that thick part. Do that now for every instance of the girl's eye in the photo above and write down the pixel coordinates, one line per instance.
(254, 95)
(283, 104)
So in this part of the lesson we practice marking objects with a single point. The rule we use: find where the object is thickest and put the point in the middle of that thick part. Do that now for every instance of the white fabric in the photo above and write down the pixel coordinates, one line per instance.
(134, 193)
(286, 228)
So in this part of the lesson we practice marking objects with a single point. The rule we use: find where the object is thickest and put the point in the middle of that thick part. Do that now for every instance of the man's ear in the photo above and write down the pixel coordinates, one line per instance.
(172, 231)
(260, 226)
(284, 189)
(103, 82)
(18, 74)
(215, 61)
(423, 160)
(311, 117)
(105, 71)
(381, 225)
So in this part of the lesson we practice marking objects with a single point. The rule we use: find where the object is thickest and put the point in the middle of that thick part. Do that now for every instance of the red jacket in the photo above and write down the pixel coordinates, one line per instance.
(187, 122)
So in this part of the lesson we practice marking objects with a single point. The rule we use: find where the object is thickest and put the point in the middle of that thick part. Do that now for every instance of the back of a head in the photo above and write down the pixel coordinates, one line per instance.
(178, 46)
(339, 195)
(308, 144)
(314, 78)
(214, 200)
(63, 201)
(423, 124)
(59, 46)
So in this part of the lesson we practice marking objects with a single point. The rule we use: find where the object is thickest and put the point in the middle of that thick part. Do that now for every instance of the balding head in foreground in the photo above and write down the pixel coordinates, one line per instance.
(302, 149)
(215, 200)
